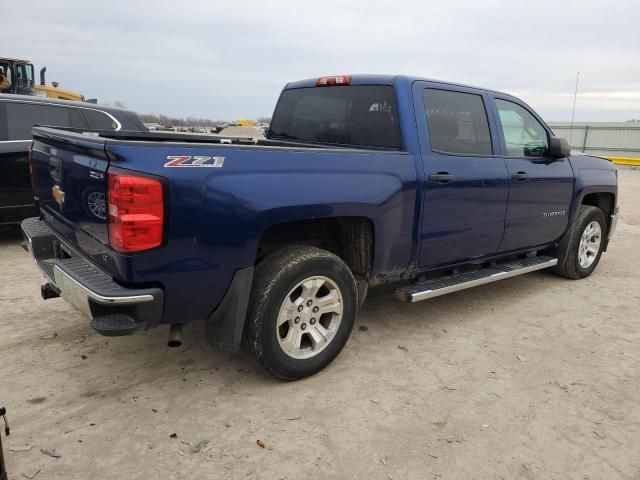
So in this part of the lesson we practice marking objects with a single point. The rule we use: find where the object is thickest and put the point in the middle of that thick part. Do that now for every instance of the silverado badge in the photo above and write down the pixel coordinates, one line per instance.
(195, 161)
(554, 214)
(58, 195)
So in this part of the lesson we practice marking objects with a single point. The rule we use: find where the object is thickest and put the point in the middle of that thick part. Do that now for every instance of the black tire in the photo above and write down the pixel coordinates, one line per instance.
(274, 278)
(568, 263)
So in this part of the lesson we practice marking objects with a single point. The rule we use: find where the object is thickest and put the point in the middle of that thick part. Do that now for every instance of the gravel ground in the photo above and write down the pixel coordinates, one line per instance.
(532, 377)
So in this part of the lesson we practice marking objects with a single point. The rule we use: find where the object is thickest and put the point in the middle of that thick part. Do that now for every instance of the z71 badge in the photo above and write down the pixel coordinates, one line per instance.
(196, 161)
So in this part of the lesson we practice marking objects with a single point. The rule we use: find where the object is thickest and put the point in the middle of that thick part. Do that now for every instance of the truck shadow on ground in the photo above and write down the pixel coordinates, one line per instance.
(482, 299)
(386, 321)
(382, 318)
(10, 235)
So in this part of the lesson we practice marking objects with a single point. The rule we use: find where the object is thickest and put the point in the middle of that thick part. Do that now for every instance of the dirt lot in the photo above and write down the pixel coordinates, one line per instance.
(533, 377)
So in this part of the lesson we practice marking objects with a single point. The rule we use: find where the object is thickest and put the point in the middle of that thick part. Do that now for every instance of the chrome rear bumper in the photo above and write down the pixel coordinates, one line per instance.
(83, 284)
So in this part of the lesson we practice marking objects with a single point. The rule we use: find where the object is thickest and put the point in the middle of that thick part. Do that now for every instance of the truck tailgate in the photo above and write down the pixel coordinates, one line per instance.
(69, 175)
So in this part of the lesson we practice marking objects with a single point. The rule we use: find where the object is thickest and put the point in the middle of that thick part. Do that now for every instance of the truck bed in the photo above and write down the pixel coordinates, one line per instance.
(157, 138)
(215, 217)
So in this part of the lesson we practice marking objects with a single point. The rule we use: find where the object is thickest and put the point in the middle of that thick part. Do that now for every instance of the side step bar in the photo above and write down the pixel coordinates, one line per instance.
(460, 281)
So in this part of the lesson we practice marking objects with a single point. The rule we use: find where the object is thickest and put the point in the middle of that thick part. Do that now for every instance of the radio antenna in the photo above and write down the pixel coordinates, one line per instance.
(573, 112)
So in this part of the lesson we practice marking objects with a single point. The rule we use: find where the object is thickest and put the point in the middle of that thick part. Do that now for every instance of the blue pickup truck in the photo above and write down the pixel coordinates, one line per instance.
(361, 181)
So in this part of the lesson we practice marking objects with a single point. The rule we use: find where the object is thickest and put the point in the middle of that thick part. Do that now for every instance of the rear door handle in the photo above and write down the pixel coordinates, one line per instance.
(441, 177)
(520, 176)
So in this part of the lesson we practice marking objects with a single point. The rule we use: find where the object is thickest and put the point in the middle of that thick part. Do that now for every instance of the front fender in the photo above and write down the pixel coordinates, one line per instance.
(593, 175)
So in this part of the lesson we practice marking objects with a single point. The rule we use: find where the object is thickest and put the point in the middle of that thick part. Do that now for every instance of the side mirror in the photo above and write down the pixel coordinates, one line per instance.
(558, 148)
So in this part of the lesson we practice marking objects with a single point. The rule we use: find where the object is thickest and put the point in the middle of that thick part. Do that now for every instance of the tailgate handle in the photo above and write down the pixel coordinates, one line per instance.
(55, 168)
(441, 177)
(520, 176)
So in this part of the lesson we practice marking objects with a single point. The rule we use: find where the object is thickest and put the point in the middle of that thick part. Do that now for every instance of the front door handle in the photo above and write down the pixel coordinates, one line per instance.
(520, 176)
(441, 177)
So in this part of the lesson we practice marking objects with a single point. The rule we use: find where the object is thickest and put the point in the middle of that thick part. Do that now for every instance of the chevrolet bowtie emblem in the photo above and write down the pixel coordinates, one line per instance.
(58, 195)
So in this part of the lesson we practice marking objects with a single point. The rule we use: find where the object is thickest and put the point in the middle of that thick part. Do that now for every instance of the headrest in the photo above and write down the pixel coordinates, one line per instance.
(443, 125)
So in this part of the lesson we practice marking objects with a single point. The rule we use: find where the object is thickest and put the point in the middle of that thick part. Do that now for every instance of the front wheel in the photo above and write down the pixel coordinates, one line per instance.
(582, 248)
(303, 305)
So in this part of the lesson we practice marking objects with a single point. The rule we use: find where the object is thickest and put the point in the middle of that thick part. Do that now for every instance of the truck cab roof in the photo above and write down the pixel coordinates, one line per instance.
(385, 79)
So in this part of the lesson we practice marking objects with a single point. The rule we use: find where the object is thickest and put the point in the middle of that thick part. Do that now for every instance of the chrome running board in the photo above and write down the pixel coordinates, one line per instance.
(461, 281)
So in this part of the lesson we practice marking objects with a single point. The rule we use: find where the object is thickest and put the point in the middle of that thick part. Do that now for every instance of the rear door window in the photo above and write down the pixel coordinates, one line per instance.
(359, 115)
(22, 116)
(457, 122)
(99, 120)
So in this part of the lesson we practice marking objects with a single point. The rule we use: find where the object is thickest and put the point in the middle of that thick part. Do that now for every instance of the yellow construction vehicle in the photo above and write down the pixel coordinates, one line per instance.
(245, 123)
(17, 77)
(54, 91)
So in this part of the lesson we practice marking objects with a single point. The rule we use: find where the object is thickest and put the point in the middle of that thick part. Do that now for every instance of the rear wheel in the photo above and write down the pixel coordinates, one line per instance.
(582, 248)
(302, 309)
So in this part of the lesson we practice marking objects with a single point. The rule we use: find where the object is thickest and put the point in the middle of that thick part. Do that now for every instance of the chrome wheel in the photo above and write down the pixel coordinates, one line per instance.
(96, 204)
(589, 244)
(309, 317)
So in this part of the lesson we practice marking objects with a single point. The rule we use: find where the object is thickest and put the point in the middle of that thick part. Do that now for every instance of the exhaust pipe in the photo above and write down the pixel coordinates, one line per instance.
(175, 335)
(42, 70)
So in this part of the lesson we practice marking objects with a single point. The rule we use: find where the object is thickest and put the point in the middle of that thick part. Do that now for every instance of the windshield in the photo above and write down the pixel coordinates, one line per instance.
(24, 78)
(344, 115)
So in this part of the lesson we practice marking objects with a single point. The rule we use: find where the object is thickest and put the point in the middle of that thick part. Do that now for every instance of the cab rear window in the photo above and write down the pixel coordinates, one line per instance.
(359, 115)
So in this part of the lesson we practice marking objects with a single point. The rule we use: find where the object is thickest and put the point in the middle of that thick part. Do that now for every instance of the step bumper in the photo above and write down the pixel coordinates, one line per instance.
(84, 285)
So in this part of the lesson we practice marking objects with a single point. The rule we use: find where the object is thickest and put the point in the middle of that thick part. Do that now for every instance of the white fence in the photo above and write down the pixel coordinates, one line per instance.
(601, 138)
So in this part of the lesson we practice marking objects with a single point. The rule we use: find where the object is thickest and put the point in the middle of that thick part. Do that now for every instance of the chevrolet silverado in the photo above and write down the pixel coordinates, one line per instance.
(361, 181)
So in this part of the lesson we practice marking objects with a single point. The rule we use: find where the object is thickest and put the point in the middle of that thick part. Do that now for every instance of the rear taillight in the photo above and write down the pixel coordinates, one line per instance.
(333, 81)
(136, 212)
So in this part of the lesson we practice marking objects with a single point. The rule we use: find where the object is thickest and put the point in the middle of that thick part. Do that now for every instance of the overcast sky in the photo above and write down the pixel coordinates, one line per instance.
(230, 59)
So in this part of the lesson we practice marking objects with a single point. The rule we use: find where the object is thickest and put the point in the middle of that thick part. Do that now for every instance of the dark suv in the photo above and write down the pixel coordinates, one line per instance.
(18, 113)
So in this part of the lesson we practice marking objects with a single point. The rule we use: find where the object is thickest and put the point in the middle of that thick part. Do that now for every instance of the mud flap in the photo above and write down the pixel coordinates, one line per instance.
(225, 325)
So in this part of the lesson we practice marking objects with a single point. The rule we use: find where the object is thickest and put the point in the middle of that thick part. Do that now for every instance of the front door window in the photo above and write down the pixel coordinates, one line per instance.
(524, 136)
